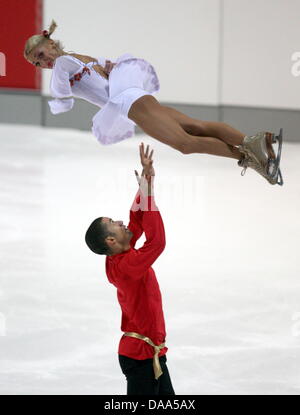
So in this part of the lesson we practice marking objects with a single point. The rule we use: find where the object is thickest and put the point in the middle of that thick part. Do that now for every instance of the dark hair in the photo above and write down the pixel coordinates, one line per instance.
(95, 237)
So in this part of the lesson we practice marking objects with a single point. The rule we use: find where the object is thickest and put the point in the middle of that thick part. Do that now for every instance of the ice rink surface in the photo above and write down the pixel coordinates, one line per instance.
(229, 276)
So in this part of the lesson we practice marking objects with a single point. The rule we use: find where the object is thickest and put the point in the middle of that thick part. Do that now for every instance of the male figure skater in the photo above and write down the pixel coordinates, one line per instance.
(142, 350)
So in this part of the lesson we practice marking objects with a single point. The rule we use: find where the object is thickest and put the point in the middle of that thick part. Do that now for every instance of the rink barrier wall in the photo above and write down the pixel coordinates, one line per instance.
(29, 107)
(20, 107)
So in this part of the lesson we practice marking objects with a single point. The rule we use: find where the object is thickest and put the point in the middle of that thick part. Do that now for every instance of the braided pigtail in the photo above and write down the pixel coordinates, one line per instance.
(52, 28)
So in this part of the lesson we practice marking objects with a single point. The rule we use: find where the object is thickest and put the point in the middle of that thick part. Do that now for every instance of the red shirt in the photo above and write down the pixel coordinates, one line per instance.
(132, 274)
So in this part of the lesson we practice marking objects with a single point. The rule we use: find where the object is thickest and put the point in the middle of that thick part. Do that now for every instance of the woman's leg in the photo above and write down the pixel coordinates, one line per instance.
(157, 122)
(216, 129)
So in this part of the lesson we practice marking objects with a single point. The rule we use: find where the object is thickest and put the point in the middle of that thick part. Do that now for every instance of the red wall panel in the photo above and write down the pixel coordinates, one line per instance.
(19, 19)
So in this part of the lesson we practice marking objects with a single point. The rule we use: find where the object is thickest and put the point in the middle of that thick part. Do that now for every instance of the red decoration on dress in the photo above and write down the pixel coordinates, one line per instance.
(78, 76)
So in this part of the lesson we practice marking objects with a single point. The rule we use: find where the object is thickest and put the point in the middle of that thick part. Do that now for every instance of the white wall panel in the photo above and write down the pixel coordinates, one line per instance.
(259, 40)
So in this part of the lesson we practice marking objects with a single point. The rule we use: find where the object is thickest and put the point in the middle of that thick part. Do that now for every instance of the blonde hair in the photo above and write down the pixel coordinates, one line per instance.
(38, 40)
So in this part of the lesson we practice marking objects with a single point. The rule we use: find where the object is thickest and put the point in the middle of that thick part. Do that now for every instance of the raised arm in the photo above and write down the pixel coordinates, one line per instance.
(135, 220)
(136, 262)
(136, 210)
(147, 218)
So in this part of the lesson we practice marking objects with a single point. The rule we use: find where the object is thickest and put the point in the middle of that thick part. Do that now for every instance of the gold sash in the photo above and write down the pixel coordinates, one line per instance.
(156, 365)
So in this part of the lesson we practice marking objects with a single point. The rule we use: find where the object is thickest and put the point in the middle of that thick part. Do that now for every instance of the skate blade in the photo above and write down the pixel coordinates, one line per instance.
(275, 163)
(280, 182)
(277, 138)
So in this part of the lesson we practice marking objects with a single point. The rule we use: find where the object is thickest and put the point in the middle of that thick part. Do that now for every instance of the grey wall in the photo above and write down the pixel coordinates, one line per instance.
(33, 109)
(20, 107)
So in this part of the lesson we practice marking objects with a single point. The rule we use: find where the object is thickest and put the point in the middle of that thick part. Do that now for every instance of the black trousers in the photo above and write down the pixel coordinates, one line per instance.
(140, 377)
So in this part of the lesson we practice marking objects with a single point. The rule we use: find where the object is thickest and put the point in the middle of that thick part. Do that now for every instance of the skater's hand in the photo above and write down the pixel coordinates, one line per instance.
(146, 179)
(109, 66)
(147, 161)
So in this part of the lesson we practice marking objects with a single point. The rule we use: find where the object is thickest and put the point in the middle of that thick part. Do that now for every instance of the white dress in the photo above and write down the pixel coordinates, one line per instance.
(130, 79)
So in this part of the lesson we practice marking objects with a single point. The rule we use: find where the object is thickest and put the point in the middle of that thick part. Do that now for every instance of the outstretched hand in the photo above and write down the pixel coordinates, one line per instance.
(146, 161)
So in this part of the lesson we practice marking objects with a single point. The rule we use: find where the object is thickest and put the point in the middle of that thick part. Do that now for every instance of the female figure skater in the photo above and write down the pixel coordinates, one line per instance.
(124, 90)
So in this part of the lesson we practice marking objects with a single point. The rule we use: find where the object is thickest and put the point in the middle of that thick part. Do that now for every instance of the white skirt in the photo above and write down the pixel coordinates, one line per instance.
(130, 79)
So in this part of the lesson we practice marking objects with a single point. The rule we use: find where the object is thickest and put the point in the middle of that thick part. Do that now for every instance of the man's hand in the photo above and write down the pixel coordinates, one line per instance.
(146, 160)
(146, 179)
(147, 163)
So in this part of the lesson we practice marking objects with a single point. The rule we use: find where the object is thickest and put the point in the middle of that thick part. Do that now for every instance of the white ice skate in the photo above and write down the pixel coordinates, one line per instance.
(259, 154)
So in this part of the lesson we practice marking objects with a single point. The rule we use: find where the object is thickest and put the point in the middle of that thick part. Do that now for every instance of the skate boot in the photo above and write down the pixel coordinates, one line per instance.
(246, 161)
(259, 154)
